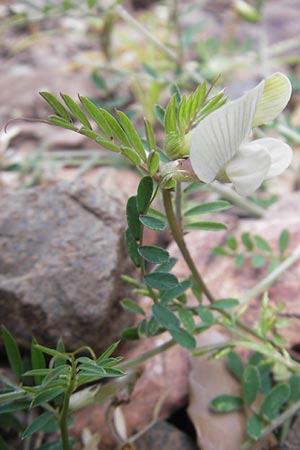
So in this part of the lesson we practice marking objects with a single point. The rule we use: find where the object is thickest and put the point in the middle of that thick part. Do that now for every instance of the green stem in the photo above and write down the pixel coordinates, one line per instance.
(283, 46)
(121, 11)
(271, 277)
(10, 396)
(65, 407)
(232, 196)
(177, 235)
(275, 424)
(178, 205)
(178, 32)
(290, 134)
(145, 356)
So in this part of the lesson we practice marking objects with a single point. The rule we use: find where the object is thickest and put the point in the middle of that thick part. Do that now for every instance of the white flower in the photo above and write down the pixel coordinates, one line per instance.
(221, 147)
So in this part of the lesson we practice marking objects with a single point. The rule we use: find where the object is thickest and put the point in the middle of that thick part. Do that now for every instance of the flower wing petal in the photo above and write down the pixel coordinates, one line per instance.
(276, 94)
(249, 167)
(217, 138)
(281, 155)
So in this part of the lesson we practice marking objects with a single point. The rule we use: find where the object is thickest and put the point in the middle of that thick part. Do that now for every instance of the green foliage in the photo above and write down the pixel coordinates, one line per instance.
(38, 424)
(183, 338)
(250, 384)
(255, 249)
(37, 361)
(283, 241)
(209, 207)
(226, 403)
(256, 377)
(175, 292)
(134, 224)
(165, 317)
(161, 281)
(224, 304)
(255, 427)
(274, 401)
(153, 223)
(182, 114)
(209, 226)
(13, 353)
(132, 306)
(205, 315)
(235, 365)
(53, 384)
(118, 136)
(154, 254)
(144, 194)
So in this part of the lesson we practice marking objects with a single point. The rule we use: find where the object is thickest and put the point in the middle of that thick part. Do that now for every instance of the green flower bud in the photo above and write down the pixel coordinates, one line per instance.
(177, 146)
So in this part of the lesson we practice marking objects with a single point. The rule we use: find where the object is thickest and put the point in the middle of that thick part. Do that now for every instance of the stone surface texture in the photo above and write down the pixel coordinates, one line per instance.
(62, 254)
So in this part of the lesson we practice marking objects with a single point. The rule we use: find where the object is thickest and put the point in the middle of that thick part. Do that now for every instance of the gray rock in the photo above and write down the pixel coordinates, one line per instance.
(61, 256)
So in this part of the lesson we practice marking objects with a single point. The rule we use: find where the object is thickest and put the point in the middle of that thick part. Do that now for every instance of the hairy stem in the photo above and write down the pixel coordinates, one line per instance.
(271, 277)
(177, 235)
(232, 196)
(145, 356)
(121, 11)
(178, 205)
(178, 32)
(65, 408)
(288, 413)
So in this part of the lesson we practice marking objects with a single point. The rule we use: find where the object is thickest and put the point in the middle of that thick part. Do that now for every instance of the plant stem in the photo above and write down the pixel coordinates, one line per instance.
(65, 407)
(275, 424)
(271, 277)
(228, 194)
(145, 356)
(178, 33)
(178, 205)
(121, 11)
(177, 235)
(282, 47)
(290, 134)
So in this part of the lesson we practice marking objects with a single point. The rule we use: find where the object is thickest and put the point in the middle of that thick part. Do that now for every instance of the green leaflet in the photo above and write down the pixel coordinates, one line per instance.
(39, 424)
(56, 105)
(76, 111)
(132, 135)
(250, 384)
(13, 353)
(154, 254)
(161, 280)
(226, 403)
(153, 223)
(209, 207)
(144, 194)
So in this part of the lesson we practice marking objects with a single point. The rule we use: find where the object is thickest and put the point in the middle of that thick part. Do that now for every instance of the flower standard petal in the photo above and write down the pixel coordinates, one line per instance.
(249, 167)
(281, 155)
(217, 138)
(276, 94)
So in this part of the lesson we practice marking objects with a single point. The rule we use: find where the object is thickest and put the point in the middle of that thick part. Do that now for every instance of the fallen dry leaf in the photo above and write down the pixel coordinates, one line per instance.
(207, 379)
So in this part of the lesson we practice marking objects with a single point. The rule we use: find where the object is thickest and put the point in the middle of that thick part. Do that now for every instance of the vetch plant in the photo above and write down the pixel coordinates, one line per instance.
(205, 139)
